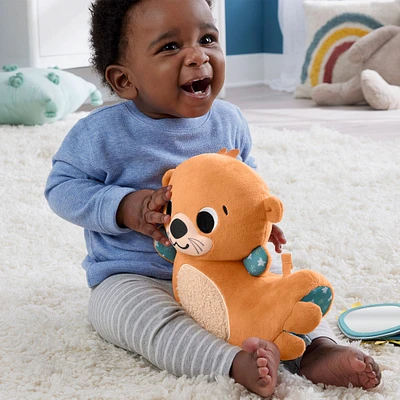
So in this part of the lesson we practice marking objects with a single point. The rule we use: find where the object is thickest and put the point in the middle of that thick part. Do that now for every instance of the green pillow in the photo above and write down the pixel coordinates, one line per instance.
(34, 96)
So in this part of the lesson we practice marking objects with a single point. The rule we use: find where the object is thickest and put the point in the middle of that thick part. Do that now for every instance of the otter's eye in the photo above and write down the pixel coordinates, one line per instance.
(168, 208)
(207, 220)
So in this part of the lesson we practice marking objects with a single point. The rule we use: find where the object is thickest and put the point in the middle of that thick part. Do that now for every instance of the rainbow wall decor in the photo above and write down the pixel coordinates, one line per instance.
(330, 42)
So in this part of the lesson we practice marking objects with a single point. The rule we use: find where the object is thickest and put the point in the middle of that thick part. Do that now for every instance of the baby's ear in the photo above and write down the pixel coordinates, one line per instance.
(273, 208)
(167, 177)
(118, 78)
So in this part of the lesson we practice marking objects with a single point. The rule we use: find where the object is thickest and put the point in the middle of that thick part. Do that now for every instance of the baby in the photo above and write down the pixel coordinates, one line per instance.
(164, 58)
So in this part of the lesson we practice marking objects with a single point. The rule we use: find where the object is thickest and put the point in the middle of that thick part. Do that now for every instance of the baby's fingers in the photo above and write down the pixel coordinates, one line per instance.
(159, 198)
(278, 235)
(152, 231)
(156, 218)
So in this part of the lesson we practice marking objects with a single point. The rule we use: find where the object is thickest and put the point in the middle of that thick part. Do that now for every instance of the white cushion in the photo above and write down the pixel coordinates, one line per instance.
(332, 26)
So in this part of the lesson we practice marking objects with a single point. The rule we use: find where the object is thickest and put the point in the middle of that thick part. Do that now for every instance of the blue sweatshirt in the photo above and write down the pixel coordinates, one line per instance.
(117, 150)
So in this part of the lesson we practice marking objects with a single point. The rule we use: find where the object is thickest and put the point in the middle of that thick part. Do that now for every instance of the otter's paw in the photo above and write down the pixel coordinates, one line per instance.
(305, 317)
(322, 296)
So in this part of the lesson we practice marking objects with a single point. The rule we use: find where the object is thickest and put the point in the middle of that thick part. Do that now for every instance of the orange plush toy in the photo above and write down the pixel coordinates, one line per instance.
(221, 218)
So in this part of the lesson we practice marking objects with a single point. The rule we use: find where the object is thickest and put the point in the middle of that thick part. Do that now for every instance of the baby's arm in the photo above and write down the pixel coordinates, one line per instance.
(141, 211)
(80, 196)
(88, 202)
(80, 188)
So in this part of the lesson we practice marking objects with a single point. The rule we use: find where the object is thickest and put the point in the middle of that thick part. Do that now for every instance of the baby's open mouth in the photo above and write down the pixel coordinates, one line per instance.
(198, 86)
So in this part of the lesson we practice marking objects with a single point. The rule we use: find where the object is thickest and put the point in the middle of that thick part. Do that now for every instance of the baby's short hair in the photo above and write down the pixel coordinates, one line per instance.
(107, 33)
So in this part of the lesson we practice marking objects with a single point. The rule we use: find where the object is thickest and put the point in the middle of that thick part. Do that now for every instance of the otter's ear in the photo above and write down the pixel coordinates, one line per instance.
(167, 177)
(231, 153)
(273, 208)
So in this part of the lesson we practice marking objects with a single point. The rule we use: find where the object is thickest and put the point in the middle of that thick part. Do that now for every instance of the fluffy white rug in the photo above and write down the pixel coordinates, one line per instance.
(342, 199)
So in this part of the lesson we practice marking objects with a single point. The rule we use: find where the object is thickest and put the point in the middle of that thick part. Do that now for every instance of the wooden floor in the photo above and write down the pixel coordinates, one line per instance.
(265, 107)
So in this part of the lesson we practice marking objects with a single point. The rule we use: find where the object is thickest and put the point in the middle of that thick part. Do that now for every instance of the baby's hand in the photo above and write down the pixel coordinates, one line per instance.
(141, 211)
(277, 238)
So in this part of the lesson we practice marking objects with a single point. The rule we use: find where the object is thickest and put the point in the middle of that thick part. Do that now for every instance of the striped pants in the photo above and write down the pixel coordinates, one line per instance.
(140, 314)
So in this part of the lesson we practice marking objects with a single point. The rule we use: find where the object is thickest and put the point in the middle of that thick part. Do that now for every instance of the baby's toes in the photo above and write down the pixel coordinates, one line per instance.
(262, 353)
(371, 384)
(371, 375)
(369, 379)
(262, 362)
(264, 374)
(372, 369)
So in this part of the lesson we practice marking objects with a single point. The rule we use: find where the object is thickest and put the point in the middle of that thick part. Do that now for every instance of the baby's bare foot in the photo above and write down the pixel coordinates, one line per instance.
(327, 362)
(256, 366)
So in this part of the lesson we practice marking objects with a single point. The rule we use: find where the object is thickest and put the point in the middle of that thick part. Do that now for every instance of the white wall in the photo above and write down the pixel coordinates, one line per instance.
(252, 69)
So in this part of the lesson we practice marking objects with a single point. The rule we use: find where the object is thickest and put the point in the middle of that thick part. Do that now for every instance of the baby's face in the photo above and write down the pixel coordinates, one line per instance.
(174, 58)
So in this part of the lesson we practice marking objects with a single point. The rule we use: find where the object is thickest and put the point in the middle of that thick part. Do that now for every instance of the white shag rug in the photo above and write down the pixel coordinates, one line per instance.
(341, 197)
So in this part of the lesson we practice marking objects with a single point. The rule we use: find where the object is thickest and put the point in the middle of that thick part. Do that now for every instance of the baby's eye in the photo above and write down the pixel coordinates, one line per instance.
(208, 39)
(170, 47)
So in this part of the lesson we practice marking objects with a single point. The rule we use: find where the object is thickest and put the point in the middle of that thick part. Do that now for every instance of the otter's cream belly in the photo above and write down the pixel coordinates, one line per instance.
(201, 298)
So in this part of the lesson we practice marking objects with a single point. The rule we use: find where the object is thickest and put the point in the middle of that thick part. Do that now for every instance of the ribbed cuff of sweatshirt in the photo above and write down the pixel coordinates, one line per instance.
(108, 209)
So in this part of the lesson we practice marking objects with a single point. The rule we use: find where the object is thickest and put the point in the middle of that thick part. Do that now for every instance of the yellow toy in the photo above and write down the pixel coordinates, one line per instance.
(221, 218)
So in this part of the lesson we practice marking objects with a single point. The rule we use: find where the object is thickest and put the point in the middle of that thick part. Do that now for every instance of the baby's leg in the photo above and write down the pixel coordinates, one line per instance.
(256, 366)
(324, 361)
(327, 362)
(140, 314)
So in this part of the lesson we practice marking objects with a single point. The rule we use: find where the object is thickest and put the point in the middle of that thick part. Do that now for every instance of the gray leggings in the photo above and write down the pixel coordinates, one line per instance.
(140, 314)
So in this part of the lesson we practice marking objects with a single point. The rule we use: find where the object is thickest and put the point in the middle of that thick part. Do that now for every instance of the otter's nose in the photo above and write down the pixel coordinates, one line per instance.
(178, 228)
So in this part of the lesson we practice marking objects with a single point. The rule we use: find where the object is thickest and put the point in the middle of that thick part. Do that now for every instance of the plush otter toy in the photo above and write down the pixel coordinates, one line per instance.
(376, 57)
(221, 218)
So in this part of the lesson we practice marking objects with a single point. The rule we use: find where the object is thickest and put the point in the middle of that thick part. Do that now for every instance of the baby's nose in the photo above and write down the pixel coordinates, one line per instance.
(196, 57)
